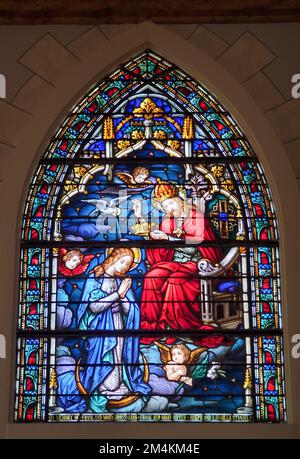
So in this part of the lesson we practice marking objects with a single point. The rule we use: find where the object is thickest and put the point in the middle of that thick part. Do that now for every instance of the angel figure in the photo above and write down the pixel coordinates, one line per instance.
(73, 262)
(139, 178)
(178, 361)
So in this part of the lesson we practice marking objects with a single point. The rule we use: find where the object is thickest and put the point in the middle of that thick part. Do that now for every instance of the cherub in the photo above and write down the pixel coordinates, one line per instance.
(139, 178)
(72, 262)
(178, 360)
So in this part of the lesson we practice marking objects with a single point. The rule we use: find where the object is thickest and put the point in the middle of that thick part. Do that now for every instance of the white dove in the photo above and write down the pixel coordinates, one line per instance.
(105, 209)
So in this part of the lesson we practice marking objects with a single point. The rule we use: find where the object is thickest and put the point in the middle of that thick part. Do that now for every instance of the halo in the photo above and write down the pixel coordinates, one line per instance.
(136, 256)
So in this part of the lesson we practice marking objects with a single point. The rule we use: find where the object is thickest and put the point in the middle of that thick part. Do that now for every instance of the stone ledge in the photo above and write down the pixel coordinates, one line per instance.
(120, 11)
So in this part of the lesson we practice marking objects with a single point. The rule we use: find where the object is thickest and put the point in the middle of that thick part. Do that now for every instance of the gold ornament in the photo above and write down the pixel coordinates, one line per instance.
(58, 212)
(218, 171)
(53, 381)
(247, 381)
(142, 229)
(174, 144)
(187, 130)
(79, 171)
(70, 186)
(123, 144)
(228, 185)
(160, 134)
(240, 237)
(137, 135)
(108, 129)
(148, 109)
(239, 213)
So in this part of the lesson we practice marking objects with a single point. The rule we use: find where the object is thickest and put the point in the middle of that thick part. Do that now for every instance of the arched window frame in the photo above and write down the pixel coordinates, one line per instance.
(46, 231)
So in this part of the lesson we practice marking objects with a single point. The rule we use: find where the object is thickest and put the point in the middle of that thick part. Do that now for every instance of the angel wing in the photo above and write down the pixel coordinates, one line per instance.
(115, 201)
(80, 269)
(165, 352)
(127, 178)
(194, 355)
(62, 269)
(62, 251)
(139, 186)
(60, 263)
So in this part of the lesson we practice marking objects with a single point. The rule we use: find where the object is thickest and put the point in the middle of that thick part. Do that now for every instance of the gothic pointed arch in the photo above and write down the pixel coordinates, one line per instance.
(149, 275)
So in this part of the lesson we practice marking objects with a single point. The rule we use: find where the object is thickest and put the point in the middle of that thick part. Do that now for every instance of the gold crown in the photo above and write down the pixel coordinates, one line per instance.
(165, 191)
(142, 229)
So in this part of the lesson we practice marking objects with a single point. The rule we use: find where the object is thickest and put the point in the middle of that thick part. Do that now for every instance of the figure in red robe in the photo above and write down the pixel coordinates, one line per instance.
(171, 291)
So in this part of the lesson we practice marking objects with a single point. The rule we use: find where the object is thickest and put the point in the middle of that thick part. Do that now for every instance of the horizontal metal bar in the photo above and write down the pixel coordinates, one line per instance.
(251, 303)
(31, 334)
(154, 160)
(234, 276)
(112, 186)
(47, 393)
(127, 219)
(242, 364)
(221, 243)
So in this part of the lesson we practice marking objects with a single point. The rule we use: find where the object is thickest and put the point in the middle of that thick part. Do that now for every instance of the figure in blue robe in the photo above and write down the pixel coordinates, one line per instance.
(112, 372)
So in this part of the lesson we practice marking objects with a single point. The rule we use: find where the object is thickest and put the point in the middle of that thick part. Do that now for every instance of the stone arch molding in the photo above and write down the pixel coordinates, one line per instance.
(60, 75)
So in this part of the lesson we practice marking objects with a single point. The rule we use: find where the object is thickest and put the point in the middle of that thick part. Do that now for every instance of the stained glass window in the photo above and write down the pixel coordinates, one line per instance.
(149, 274)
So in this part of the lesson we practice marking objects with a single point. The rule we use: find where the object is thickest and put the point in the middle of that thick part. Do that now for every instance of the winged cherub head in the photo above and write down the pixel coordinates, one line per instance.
(72, 262)
(140, 174)
(180, 353)
(72, 259)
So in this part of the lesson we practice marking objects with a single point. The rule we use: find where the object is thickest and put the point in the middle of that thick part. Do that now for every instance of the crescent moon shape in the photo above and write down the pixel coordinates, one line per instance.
(125, 401)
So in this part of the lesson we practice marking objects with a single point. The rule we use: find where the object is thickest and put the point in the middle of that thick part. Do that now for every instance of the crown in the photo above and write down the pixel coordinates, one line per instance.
(165, 191)
(142, 229)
